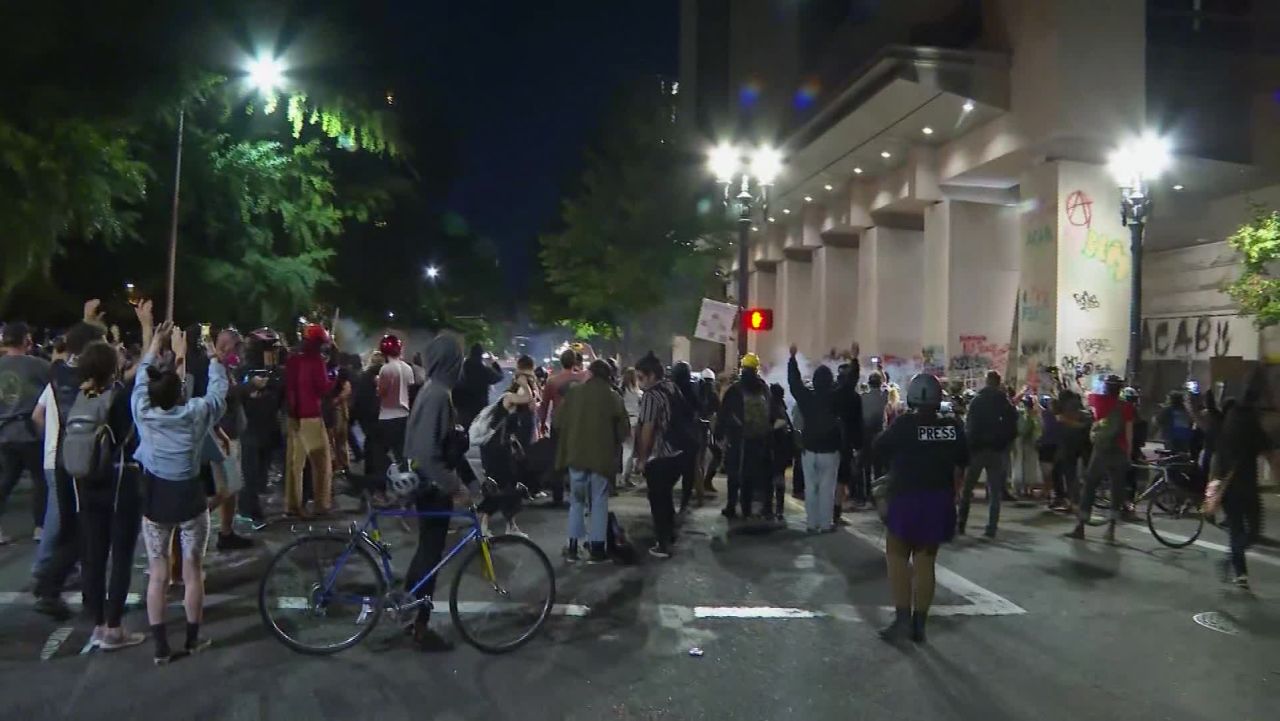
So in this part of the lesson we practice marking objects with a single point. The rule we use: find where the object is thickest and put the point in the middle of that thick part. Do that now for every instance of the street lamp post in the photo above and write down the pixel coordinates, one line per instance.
(752, 176)
(265, 75)
(1134, 164)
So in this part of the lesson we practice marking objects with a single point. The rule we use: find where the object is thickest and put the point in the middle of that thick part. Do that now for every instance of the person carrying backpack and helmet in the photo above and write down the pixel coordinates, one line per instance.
(746, 422)
(926, 454)
(1112, 437)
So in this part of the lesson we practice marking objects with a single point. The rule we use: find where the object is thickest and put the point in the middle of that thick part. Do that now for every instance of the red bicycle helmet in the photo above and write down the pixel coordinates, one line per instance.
(391, 346)
(315, 334)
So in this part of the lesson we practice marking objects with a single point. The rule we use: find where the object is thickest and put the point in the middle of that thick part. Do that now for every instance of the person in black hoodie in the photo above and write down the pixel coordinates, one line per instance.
(990, 426)
(849, 408)
(784, 451)
(682, 376)
(821, 438)
(472, 394)
(1236, 463)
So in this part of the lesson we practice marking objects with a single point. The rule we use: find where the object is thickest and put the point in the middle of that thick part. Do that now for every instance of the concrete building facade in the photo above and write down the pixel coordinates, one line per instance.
(945, 202)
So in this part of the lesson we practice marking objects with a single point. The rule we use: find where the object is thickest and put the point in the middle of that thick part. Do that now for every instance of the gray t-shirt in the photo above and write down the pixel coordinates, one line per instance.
(22, 378)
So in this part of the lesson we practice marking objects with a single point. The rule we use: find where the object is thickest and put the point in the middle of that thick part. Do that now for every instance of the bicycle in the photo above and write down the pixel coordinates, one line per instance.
(341, 581)
(1174, 498)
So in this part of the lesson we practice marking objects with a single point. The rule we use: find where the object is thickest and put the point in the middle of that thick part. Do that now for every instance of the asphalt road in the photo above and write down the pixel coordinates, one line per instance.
(1028, 626)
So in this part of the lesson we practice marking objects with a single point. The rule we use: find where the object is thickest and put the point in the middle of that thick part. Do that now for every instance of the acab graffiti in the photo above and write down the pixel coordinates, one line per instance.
(1165, 338)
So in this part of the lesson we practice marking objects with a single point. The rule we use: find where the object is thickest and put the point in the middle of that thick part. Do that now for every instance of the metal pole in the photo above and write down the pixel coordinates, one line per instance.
(744, 235)
(173, 221)
(1136, 227)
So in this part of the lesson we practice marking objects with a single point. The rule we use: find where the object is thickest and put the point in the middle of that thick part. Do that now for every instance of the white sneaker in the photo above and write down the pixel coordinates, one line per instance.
(514, 530)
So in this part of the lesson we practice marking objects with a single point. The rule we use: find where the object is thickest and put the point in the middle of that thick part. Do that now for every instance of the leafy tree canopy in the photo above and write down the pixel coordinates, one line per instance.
(1257, 291)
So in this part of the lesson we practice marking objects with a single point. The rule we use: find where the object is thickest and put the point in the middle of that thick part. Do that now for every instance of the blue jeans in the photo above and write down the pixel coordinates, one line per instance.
(996, 464)
(820, 470)
(588, 489)
(52, 522)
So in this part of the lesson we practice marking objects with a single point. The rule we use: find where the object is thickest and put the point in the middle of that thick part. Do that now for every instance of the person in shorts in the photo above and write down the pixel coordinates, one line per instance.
(172, 432)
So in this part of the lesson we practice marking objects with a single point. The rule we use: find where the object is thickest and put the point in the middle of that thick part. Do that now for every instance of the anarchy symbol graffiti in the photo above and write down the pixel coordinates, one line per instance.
(1079, 209)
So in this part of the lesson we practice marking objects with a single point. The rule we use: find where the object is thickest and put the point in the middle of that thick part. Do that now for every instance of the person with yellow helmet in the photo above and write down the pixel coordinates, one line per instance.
(746, 422)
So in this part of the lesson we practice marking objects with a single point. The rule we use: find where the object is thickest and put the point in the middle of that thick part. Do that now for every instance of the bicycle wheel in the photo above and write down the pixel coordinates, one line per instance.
(322, 594)
(1174, 517)
(501, 612)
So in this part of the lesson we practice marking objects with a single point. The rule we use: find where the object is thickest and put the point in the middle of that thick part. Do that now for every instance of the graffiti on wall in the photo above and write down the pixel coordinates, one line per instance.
(1042, 235)
(1111, 252)
(1191, 337)
(933, 359)
(1035, 306)
(1085, 300)
(978, 354)
(1079, 209)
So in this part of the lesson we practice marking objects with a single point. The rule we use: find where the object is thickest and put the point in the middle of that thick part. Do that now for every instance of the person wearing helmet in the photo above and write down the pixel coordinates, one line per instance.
(1112, 439)
(746, 423)
(925, 454)
(307, 383)
(394, 380)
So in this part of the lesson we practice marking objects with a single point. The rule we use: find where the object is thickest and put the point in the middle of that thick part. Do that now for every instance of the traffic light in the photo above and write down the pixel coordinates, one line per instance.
(757, 319)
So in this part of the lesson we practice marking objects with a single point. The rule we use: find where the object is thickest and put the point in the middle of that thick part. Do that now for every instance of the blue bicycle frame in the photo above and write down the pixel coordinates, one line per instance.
(370, 533)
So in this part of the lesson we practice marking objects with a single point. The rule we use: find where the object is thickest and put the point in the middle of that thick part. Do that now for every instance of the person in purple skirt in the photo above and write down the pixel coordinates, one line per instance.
(926, 455)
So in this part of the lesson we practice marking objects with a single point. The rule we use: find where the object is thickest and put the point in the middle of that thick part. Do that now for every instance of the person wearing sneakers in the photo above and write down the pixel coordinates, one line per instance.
(591, 426)
(394, 380)
(307, 382)
(1112, 437)
(926, 454)
(171, 435)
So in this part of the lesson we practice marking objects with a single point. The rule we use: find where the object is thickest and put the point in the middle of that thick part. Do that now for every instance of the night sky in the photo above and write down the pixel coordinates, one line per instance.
(526, 84)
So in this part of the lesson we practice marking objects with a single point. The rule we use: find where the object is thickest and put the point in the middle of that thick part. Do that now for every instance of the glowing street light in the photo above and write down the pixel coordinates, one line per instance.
(432, 272)
(266, 74)
(1135, 163)
(752, 174)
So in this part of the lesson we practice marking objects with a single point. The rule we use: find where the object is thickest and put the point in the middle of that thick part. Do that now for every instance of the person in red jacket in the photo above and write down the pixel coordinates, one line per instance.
(307, 382)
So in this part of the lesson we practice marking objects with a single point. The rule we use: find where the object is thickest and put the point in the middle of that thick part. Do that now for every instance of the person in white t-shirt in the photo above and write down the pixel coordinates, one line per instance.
(394, 381)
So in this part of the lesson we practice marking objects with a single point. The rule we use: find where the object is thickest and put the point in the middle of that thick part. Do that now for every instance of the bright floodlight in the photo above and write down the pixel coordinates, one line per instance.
(766, 164)
(266, 74)
(723, 162)
(432, 272)
(1139, 160)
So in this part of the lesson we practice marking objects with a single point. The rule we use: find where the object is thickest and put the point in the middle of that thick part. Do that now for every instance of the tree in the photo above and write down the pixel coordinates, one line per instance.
(637, 250)
(1257, 291)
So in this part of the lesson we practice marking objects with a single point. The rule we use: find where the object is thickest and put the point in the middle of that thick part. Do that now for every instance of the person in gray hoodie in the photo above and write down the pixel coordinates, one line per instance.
(435, 447)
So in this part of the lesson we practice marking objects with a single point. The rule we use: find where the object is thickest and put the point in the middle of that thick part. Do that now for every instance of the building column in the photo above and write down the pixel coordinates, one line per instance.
(835, 293)
(793, 315)
(890, 298)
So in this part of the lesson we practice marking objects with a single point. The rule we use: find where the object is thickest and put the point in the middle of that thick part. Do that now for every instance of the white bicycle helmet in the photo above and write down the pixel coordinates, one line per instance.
(402, 483)
(924, 391)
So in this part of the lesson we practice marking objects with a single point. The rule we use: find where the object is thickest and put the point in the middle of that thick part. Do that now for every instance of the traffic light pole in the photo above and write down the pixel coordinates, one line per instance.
(744, 235)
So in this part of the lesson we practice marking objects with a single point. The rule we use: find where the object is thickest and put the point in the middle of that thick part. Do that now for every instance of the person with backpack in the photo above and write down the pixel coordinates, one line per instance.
(591, 426)
(1111, 437)
(22, 377)
(746, 423)
(172, 433)
(991, 425)
(661, 447)
(821, 440)
(502, 453)
(59, 549)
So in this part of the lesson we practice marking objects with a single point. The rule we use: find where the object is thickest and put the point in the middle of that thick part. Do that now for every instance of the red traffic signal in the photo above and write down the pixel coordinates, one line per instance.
(757, 319)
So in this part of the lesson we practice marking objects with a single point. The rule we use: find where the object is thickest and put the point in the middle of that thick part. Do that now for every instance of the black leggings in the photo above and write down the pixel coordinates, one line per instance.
(109, 523)
(432, 533)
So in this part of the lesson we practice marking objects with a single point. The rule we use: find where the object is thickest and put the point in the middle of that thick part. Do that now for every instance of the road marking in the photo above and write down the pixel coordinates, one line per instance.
(981, 601)
(1251, 554)
(54, 642)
